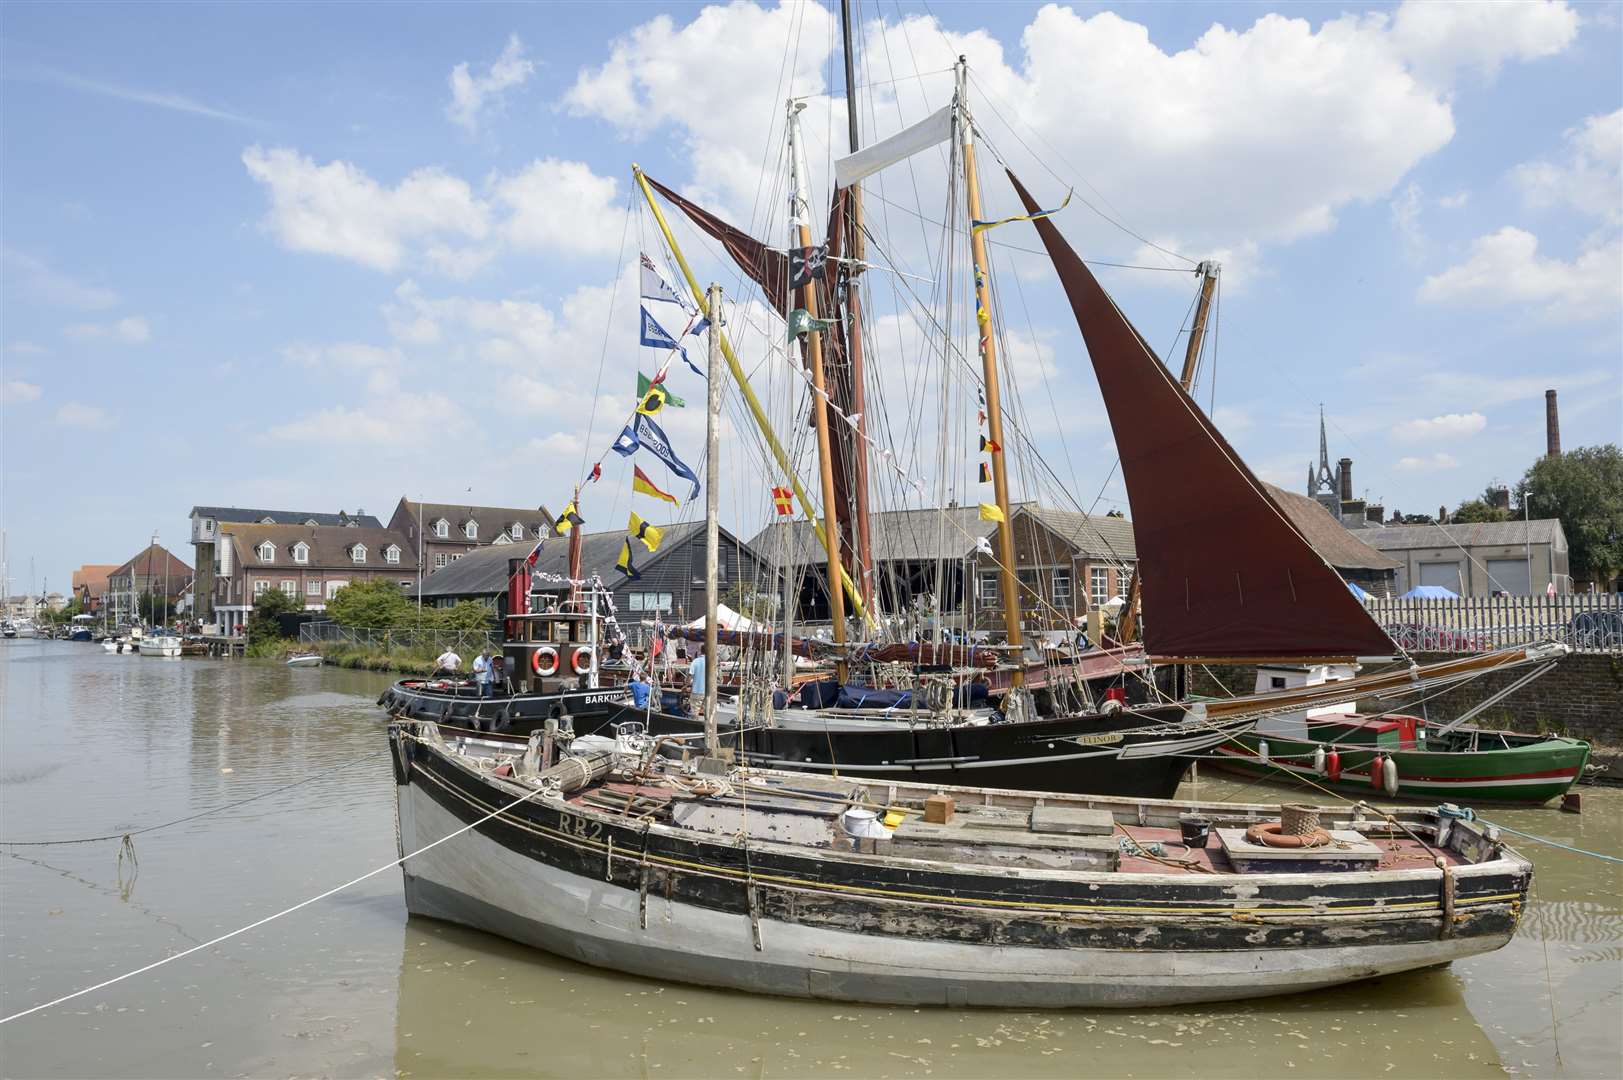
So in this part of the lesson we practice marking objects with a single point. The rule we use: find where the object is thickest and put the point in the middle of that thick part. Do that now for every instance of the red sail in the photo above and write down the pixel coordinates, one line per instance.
(1224, 571)
(768, 268)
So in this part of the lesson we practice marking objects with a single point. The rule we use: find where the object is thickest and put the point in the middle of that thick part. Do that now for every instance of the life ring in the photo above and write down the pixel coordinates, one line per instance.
(1272, 834)
(548, 653)
(581, 662)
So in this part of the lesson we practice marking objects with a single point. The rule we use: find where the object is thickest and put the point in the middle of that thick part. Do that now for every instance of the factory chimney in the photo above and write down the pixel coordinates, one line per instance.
(1344, 470)
(1552, 425)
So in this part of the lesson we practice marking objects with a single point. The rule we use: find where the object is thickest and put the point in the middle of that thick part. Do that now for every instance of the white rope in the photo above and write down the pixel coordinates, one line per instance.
(268, 918)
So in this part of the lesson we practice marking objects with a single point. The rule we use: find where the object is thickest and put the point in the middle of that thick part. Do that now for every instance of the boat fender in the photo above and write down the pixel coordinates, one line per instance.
(1332, 765)
(1318, 760)
(1377, 771)
(581, 662)
(1109, 707)
(1262, 751)
(1389, 777)
(544, 661)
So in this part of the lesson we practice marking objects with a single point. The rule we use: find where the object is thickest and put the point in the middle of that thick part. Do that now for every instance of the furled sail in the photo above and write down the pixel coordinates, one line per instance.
(1224, 571)
(931, 131)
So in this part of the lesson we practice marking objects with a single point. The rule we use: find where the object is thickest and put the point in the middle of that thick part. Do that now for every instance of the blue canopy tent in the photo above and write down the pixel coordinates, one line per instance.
(1358, 592)
(1430, 592)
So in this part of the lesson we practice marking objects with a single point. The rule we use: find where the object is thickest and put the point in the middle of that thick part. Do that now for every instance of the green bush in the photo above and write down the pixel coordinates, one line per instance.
(263, 624)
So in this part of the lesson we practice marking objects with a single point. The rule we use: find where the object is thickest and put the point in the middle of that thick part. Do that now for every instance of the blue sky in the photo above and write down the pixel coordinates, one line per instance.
(319, 257)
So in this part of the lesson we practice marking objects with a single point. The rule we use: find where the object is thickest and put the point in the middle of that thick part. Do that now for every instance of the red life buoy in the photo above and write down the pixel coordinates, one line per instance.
(1332, 765)
(581, 662)
(547, 653)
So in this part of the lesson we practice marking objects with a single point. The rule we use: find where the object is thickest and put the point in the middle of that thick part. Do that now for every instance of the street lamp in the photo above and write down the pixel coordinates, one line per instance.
(1527, 536)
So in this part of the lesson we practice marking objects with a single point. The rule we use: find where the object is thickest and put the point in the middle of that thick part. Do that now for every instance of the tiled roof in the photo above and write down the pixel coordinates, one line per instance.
(93, 577)
(236, 514)
(1335, 545)
(492, 520)
(149, 562)
(329, 546)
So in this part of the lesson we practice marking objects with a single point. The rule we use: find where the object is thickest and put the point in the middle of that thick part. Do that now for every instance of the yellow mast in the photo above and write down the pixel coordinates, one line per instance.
(994, 411)
(739, 377)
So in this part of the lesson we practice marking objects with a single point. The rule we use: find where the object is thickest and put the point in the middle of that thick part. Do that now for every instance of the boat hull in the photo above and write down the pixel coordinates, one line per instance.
(544, 877)
(517, 714)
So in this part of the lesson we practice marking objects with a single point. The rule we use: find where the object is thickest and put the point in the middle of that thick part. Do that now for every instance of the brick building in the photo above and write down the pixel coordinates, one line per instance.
(452, 530)
(207, 521)
(307, 562)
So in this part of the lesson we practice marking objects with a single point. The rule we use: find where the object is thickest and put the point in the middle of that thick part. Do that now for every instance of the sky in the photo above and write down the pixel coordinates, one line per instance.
(320, 257)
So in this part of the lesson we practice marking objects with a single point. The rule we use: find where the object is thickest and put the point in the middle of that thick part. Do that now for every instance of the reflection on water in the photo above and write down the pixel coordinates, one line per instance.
(93, 743)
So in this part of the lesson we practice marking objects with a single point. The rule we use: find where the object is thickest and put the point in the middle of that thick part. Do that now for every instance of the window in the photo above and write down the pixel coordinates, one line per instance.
(267, 552)
(988, 585)
(442, 528)
(267, 520)
(208, 526)
(458, 555)
(391, 554)
(1099, 585)
(311, 522)
(357, 553)
(333, 587)
(290, 587)
(406, 584)
(470, 529)
(649, 601)
(301, 552)
(441, 559)
(260, 587)
(312, 588)
(1062, 588)
(516, 531)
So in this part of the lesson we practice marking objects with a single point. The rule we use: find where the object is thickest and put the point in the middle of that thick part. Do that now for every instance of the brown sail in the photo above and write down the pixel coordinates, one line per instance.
(1224, 571)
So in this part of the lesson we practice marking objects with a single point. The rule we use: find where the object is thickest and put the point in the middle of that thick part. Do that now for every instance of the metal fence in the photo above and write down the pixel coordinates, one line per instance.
(389, 640)
(1589, 622)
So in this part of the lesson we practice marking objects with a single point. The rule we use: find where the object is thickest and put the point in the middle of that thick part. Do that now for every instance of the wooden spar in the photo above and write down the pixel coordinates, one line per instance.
(574, 552)
(1128, 624)
(988, 346)
(855, 250)
(800, 212)
(712, 485)
(757, 413)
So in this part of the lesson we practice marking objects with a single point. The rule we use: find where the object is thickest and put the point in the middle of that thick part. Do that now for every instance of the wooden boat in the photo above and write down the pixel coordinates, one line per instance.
(843, 889)
(304, 659)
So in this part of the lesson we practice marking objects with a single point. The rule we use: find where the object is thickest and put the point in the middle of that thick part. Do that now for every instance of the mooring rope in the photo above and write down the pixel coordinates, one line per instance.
(270, 918)
(1551, 843)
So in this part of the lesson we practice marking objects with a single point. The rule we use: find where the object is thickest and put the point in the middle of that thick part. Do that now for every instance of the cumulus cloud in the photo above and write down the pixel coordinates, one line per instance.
(1438, 41)
(131, 330)
(1588, 178)
(17, 391)
(1448, 426)
(40, 282)
(472, 94)
(1434, 463)
(79, 415)
(559, 206)
(1506, 266)
(349, 356)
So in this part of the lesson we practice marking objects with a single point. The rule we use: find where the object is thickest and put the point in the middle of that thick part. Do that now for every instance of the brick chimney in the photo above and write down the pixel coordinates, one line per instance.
(1552, 425)
(1344, 470)
(1501, 498)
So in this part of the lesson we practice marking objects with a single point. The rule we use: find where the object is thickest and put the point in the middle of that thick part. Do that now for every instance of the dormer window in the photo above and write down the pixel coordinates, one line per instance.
(352, 524)
(391, 554)
(301, 552)
(516, 531)
(470, 529)
(267, 520)
(267, 552)
(310, 522)
(442, 528)
(357, 553)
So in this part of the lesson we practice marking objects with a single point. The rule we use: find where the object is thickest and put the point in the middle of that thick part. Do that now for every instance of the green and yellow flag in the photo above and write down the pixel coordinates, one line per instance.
(643, 385)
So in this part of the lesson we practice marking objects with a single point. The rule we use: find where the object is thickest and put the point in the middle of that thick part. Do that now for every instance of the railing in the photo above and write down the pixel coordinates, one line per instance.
(389, 640)
(1588, 622)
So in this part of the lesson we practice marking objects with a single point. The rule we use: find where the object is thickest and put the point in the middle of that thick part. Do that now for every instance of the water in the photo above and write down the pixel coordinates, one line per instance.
(95, 743)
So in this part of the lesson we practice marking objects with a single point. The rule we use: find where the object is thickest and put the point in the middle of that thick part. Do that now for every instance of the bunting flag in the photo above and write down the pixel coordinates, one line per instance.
(801, 322)
(644, 486)
(535, 552)
(989, 445)
(990, 512)
(982, 226)
(649, 436)
(807, 265)
(986, 473)
(653, 399)
(568, 520)
(654, 336)
(624, 562)
(653, 284)
(983, 545)
(644, 382)
(783, 501)
(627, 443)
(641, 530)
(597, 471)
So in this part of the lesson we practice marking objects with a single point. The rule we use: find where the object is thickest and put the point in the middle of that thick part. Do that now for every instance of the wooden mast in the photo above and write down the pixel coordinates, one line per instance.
(800, 214)
(1127, 625)
(574, 553)
(994, 410)
(855, 250)
(712, 541)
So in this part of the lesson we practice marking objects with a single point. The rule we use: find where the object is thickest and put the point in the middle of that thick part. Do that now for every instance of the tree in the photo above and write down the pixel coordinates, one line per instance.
(464, 615)
(375, 603)
(263, 623)
(1584, 488)
(1475, 510)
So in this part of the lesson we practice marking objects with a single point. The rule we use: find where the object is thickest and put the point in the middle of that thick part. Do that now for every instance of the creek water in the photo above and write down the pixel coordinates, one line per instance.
(96, 743)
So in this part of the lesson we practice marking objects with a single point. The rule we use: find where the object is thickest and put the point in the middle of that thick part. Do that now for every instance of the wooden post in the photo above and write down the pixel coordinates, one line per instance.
(712, 542)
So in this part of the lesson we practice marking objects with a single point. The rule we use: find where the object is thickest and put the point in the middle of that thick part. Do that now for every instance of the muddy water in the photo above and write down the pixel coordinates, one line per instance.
(94, 743)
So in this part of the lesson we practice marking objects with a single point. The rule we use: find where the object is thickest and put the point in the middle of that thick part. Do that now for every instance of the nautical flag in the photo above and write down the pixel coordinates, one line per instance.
(644, 486)
(641, 530)
(807, 265)
(653, 284)
(700, 327)
(648, 435)
(989, 512)
(644, 382)
(627, 443)
(982, 226)
(568, 520)
(624, 562)
(597, 472)
(989, 445)
(801, 322)
(783, 500)
(986, 473)
(535, 552)
(980, 312)
(980, 416)
(652, 400)
(983, 545)
(654, 336)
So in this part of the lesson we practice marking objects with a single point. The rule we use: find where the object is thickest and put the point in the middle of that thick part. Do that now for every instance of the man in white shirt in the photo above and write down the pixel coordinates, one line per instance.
(448, 660)
(481, 673)
(696, 674)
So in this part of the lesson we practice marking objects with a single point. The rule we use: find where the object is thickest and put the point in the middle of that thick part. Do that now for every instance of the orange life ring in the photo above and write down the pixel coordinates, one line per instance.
(1270, 834)
(581, 662)
(550, 654)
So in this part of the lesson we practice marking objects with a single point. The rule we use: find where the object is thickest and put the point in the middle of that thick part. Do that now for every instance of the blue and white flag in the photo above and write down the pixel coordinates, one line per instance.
(654, 336)
(627, 443)
(654, 287)
(643, 433)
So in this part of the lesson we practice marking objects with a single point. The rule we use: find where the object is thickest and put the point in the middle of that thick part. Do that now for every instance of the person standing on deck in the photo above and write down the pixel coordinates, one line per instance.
(448, 660)
(696, 677)
(481, 672)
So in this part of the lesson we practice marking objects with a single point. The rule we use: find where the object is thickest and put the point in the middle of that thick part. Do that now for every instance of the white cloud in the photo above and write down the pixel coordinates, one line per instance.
(1454, 201)
(48, 286)
(1506, 267)
(131, 330)
(18, 391)
(26, 348)
(350, 356)
(76, 414)
(473, 94)
(1439, 40)
(560, 206)
(1448, 426)
(1230, 419)
(1405, 207)
(1589, 179)
(157, 98)
(1434, 463)
(337, 209)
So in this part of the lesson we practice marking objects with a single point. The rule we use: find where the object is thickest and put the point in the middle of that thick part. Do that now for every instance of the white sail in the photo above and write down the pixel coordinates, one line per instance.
(933, 129)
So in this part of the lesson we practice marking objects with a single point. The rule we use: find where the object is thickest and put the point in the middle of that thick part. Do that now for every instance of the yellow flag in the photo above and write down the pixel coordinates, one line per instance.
(649, 534)
(568, 520)
(990, 512)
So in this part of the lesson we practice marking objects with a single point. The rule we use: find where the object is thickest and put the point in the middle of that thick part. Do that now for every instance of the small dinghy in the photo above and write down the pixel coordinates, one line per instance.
(304, 659)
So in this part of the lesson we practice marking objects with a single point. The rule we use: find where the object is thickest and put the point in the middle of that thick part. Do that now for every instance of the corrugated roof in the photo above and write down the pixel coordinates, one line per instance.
(1479, 533)
(329, 546)
(483, 571)
(238, 514)
(1335, 545)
